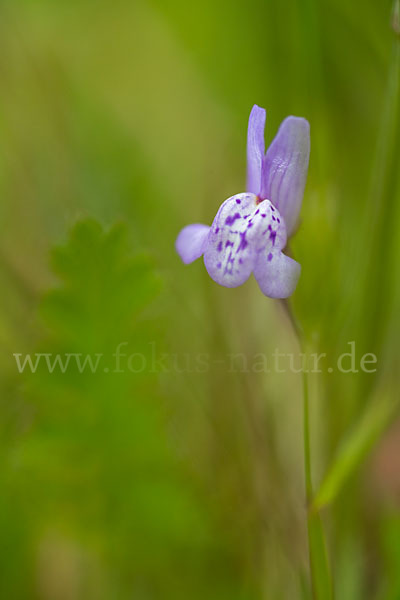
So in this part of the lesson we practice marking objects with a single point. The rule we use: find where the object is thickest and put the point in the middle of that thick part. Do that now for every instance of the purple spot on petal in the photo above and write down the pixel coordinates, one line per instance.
(238, 201)
(263, 215)
(249, 224)
(240, 261)
(269, 257)
(243, 242)
(216, 231)
(257, 211)
(278, 220)
(231, 219)
(272, 236)
(219, 247)
(219, 265)
(230, 260)
(228, 243)
(272, 208)
(273, 218)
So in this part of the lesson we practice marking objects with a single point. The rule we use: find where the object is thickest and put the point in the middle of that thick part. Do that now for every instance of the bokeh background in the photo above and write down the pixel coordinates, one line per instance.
(182, 477)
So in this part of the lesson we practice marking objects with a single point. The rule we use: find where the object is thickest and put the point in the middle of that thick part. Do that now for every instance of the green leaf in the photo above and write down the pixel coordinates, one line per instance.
(104, 289)
(99, 460)
(354, 448)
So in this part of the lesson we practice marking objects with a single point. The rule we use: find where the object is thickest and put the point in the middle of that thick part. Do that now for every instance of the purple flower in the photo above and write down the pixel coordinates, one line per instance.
(251, 229)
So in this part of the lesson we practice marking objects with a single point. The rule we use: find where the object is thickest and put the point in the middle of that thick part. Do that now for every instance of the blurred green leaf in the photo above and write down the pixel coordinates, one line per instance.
(98, 460)
(380, 219)
(104, 288)
(354, 448)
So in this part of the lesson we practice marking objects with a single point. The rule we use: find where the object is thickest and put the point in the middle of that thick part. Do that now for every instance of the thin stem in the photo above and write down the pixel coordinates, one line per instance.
(306, 434)
(306, 402)
(319, 567)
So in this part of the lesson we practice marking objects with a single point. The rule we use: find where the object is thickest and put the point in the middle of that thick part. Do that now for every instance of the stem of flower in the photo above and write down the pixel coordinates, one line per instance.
(319, 567)
(306, 403)
(306, 435)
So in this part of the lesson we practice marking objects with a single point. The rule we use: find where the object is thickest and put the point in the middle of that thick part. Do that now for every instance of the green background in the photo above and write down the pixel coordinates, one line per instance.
(120, 123)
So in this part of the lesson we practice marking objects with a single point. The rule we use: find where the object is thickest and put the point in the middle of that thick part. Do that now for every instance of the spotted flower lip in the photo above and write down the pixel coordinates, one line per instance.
(251, 229)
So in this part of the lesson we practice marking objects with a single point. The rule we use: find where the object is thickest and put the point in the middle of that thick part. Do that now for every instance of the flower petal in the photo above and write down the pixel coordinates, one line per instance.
(191, 241)
(240, 231)
(255, 149)
(276, 274)
(284, 169)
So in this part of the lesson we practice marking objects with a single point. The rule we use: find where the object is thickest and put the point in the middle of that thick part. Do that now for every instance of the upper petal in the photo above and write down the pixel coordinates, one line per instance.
(240, 231)
(276, 274)
(284, 169)
(255, 149)
(190, 242)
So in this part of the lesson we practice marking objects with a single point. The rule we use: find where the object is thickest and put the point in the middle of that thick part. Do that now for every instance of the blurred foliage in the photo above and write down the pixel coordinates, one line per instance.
(94, 465)
(185, 480)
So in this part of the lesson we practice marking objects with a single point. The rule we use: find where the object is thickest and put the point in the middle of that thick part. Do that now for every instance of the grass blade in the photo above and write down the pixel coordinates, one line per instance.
(353, 450)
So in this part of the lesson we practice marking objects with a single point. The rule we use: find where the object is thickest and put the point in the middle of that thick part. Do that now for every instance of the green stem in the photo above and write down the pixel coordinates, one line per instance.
(321, 581)
(306, 434)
